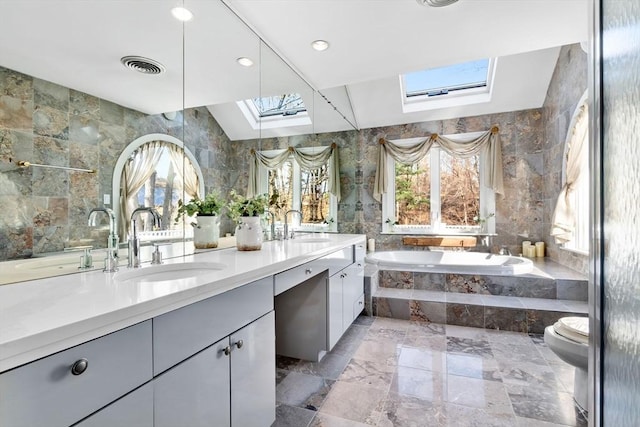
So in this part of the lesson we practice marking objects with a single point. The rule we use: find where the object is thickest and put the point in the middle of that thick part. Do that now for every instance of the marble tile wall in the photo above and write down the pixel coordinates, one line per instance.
(532, 143)
(48, 123)
(45, 210)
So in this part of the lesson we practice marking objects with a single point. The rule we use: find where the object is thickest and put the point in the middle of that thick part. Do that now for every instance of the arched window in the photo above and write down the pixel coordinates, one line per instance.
(570, 222)
(155, 170)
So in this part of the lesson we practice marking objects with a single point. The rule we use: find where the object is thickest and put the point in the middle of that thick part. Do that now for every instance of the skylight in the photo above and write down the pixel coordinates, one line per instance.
(444, 80)
(271, 112)
(288, 104)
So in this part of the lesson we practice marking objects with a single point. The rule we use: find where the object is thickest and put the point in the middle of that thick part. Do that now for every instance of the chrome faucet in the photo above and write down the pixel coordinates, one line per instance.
(286, 224)
(111, 261)
(273, 226)
(504, 250)
(134, 242)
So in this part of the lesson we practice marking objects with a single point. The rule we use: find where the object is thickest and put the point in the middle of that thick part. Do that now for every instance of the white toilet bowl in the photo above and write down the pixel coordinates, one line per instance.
(568, 338)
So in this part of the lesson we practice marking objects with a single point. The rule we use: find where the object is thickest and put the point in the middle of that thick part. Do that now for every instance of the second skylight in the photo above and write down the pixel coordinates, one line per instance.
(444, 80)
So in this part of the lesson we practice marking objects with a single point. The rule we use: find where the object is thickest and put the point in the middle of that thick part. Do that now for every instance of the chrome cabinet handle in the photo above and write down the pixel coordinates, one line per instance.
(239, 344)
(226, 350)
(79, 366)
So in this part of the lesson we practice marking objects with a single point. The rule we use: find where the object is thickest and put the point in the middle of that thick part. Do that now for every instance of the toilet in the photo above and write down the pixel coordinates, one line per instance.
(568, 338)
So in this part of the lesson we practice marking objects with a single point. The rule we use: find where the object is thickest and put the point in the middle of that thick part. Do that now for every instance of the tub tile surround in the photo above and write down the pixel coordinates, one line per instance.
(431, 374)
(521, 303)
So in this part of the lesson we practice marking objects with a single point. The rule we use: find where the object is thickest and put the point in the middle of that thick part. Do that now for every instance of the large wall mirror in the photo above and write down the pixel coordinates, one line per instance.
(70, 108)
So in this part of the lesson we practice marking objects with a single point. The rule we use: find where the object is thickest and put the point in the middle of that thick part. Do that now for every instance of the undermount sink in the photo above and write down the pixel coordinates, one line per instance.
(168, 272)
(311, 240)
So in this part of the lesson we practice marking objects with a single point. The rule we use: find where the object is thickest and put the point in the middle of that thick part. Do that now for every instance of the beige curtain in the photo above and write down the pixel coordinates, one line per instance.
(413, 150)
(304, 157)
(185, 171)
(563, 220)
(134, 175)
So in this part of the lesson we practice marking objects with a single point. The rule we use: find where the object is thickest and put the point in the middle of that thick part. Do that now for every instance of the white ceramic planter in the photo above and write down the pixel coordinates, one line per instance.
(249, 234)
(206, 232)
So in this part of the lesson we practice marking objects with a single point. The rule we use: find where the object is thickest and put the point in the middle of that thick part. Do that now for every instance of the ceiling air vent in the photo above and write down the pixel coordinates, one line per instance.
(436, 3)
(142, 65)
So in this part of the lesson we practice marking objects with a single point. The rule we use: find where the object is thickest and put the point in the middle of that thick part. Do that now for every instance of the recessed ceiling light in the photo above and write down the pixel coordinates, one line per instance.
(320, 45)
(182, 14)
(244, 61)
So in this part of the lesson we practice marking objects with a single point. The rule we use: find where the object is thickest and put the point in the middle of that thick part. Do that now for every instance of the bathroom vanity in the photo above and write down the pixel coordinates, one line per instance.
(191, 342)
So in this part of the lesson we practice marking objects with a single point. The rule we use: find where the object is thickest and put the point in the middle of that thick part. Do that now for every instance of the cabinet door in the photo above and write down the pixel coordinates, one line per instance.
(195, 392)
(353, 289)
(133, 410)
(334, 310)
(253, 374)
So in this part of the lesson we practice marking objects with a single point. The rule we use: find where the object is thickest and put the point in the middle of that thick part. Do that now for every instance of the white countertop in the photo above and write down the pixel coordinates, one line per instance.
(43, 316)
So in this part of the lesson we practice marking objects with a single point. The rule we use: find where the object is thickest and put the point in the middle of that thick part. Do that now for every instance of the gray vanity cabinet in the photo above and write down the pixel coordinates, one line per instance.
(231, 383)
(214, 360)
(346, 296)
(63, 388)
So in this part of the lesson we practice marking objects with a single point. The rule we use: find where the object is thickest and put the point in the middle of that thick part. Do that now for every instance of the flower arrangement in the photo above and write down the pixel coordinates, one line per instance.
(240, 206)
(210, 206)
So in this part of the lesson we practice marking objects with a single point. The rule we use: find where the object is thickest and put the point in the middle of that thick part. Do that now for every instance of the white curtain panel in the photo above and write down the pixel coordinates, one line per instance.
(411, 151)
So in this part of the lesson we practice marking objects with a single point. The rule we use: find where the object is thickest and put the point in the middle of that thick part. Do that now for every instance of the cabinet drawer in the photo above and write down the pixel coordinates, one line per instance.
(294, 276)
(181, 333)
(47, 393)
(334, 262)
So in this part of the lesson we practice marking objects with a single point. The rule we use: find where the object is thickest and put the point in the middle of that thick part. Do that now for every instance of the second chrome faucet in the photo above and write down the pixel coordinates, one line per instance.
(134, 241)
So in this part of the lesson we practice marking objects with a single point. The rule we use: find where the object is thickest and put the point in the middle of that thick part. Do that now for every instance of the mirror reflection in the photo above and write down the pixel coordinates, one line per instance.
(90, 107)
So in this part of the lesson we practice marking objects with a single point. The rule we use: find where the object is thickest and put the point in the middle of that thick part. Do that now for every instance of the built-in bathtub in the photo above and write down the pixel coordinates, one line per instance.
(450, 262)
(472, 289)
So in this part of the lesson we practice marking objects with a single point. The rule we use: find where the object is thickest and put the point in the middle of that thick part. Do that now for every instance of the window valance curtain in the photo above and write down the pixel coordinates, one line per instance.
(563, 220)
(488, 144)
(307, 158)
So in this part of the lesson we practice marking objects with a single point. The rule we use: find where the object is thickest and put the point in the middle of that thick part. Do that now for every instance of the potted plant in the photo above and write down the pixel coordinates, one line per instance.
(247, 213)
(206, 229)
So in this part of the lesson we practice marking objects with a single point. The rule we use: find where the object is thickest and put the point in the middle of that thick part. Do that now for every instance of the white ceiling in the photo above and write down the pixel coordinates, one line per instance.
(78, 43)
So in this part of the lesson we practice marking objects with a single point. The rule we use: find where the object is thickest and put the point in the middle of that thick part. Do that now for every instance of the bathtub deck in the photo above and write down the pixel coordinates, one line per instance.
(525, 303)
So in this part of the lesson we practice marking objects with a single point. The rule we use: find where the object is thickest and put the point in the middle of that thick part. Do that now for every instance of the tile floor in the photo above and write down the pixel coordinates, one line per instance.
(388, 372)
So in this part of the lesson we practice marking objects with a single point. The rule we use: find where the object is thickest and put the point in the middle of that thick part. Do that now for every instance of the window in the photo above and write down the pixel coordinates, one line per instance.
(275, 111)
(440, 193)
(443, 80)
(307, 191)
(579, 196)
(156, 171)
(453, 85)
(288, 104)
